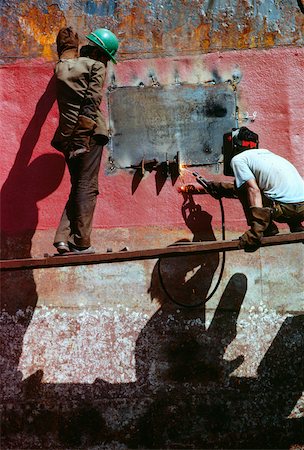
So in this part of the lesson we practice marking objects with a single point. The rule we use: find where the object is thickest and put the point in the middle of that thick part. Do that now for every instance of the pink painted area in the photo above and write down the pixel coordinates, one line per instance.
(35, 186)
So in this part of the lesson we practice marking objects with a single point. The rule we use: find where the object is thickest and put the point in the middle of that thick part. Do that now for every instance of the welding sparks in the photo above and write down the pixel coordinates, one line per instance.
(185, 168)
(182, 169)
(190, 188)
(185, 188)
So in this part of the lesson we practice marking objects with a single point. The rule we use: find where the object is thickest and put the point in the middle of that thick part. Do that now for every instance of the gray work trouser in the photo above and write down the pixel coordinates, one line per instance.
(76, 222)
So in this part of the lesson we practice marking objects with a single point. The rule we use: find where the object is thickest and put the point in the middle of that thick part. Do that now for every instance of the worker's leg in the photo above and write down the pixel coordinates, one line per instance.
(84, 171)
(290, 213)
(63, 231)
(76, 222)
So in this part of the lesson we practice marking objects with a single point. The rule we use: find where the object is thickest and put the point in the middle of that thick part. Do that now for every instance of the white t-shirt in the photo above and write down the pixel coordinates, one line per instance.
(276, 177)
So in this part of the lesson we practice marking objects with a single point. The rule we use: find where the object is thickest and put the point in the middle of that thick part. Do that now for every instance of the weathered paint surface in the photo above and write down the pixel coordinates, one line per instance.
(100, 356)
(153, 28)
(33, 173)
(116, 370)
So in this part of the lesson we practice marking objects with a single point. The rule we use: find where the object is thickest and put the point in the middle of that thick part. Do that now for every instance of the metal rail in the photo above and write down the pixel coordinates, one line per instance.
(191, 248)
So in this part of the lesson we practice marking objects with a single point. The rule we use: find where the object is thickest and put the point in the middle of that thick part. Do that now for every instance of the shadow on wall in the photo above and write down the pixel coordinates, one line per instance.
(185, 394)
(301, 5)
(27, 183)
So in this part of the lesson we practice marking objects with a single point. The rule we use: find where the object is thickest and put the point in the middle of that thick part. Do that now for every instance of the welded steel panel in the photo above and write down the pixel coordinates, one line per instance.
(158, 122)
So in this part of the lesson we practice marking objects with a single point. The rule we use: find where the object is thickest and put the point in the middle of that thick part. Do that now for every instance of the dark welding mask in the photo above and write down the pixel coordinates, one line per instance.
(235, 142)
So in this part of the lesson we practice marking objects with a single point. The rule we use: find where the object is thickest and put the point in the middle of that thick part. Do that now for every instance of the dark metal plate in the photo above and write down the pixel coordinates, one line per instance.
(158, 122)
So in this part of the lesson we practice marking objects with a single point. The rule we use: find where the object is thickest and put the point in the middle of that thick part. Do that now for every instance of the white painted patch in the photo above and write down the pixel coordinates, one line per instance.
(255, 333)
(79, 347)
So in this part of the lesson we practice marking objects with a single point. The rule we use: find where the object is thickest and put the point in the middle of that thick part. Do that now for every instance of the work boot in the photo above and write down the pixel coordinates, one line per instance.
(295, 227)
(271, 230)
(260, 219)
(81, 250)
(62, 247)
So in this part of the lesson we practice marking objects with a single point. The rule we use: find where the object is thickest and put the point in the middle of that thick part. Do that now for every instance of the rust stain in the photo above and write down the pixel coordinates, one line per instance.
(146, 27)
(157, 37)
(43, 27)
(266, 38)
(135, 24)
(300, 28)
(244, 37)
(201, 35)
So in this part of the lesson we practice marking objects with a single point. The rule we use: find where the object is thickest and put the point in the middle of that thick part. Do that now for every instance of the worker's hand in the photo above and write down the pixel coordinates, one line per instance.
(221, 189)
(67, 39)
(213, 188)
(80, 139)
(260, 219)
(248, 242)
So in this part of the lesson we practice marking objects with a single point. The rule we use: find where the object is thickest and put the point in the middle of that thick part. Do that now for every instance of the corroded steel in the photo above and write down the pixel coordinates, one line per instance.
(173, 251)
(148, 28)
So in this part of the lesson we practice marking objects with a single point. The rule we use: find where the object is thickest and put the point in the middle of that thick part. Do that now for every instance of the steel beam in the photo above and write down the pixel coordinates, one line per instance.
(190, 248)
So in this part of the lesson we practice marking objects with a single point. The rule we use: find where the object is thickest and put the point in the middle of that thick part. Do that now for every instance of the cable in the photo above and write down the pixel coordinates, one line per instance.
(196, 305)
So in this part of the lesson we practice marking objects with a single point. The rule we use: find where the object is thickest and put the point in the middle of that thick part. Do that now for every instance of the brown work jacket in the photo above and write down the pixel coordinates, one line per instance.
(79, 82)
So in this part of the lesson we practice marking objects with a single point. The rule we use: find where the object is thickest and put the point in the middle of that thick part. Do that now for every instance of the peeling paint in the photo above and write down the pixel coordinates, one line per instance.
(154, 29)
(85, 367)
(43, 27)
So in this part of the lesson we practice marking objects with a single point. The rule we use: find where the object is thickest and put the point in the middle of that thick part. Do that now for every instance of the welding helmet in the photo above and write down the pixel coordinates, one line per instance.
(106, 40)
(235, 142)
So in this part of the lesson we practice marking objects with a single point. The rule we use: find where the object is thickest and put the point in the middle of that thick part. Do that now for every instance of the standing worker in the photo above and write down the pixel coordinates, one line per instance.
(82, 130)
(268, 186)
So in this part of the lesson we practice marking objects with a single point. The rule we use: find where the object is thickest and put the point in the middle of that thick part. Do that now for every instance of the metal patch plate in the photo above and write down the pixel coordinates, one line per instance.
(157, 122)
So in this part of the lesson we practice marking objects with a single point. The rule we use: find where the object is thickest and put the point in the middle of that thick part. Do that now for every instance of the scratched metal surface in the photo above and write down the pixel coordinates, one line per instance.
(162, 121)
(152, 28)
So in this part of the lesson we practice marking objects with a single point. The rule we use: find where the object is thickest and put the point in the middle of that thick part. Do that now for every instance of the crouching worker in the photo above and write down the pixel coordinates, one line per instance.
(82, 131)
(268, 186)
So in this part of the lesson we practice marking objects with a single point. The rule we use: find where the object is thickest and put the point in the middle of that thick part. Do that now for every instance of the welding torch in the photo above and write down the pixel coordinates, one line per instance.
(192, 189)
(206, 185)
(202, 181)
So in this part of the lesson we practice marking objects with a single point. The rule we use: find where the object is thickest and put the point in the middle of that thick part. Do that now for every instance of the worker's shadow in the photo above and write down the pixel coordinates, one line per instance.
(175, 348)
(28, 182)
(176, 345)
(202, 404)
(185, 394)
(198, 402)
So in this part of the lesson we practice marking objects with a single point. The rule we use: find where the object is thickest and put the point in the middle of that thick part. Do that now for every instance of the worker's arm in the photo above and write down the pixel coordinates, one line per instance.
(253, 193)
(67, 42)
(214, 188)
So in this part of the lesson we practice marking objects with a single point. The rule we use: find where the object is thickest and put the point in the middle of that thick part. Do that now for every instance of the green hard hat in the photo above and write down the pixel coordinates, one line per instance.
(106, 40)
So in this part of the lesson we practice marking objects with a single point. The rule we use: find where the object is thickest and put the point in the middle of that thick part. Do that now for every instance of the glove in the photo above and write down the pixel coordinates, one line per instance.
(260, 218)
(218, 190)
(81, 136)
(67, 40)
